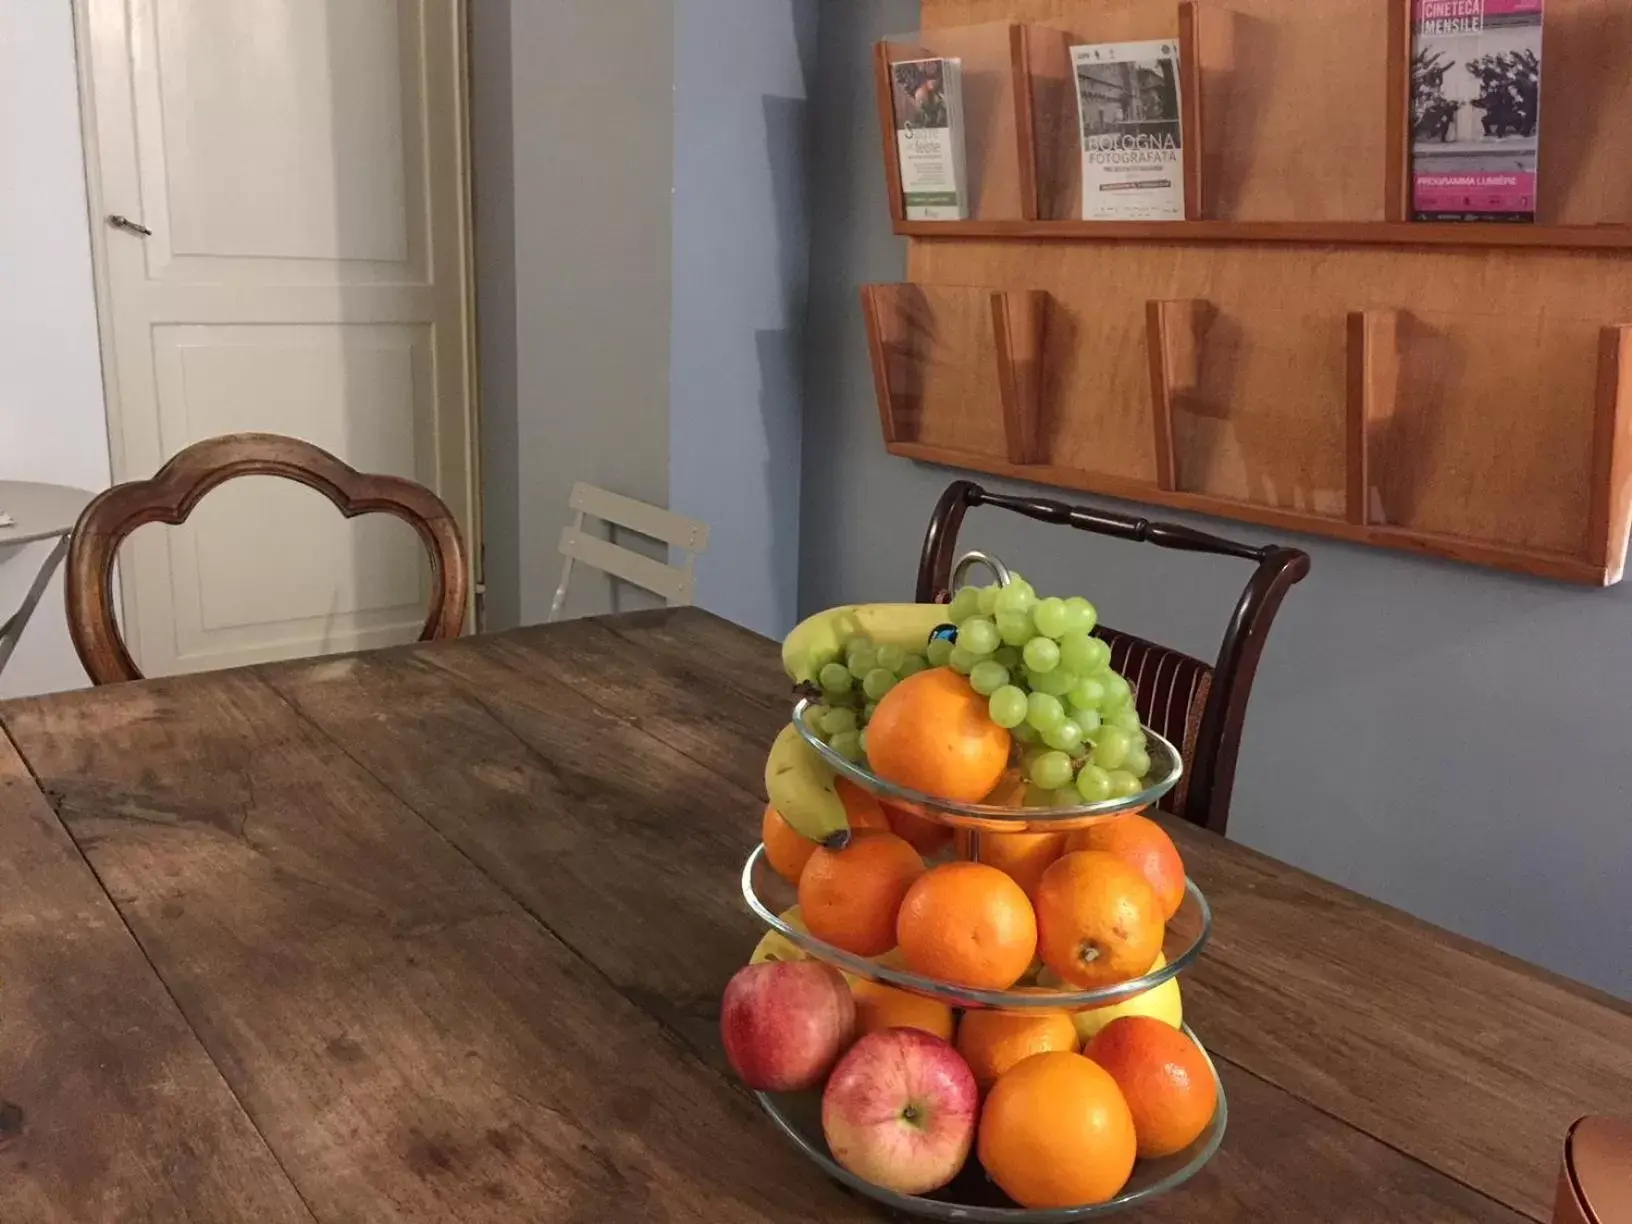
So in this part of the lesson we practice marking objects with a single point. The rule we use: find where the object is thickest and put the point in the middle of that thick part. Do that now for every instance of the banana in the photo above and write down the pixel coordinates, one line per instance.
(800, 786)
(819, 639)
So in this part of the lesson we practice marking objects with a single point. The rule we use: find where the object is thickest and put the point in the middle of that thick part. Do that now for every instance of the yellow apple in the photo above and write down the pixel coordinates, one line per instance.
(1162, 1002)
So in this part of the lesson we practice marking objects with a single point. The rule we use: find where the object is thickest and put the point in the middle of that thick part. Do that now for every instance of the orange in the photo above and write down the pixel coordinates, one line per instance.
(968, 924)
(931, 733)
(849, 897)
(1023, 857)
(993, 1041)
(1164, 1077)
(1098, 921)
(927, 836)
(880, 1007)
(1142, 844)
(1055, 1132)
(788, 851)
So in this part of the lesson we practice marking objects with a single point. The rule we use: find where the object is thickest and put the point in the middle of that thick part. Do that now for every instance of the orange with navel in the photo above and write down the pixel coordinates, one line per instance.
(850, 897)
(1164, 1077)
(931, 733)
(1098, 921)
(1056, 1132)
(1142, 844)
(1023, 857)
(968, 924)
(788, 851)
(880, 1007)
(993, 1041)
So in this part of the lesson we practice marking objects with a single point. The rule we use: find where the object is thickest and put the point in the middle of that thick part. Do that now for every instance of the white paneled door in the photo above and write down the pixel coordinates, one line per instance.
(279, 194)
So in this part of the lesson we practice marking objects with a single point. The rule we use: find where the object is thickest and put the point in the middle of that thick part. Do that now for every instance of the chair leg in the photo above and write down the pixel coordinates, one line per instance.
(12, 631)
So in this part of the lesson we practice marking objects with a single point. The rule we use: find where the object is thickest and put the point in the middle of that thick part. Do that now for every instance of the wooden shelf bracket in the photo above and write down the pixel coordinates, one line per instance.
(1373, 396)
(1173, 338)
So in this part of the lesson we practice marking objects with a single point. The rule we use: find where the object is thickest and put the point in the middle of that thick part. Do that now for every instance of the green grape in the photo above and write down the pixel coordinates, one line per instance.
(961, 660)
(1077, 653)
(1050, 616)
(1137, 762)
(1088, 720)
(836, 721)
(1041, 655)
(987, 677)
(1080, 615)
(1127, 718)
(867, 711)
(1067, 737)
(1015, 580)
(1093, 784)
(1067, 796)
(876, 683)
(1007, 706)
(1008, 656)
(835, 678)
(1044, 711)
(1102, 654)
(988, 599)
(1015, 628)
(816, 720)
(911, 666)
(862, 741)
(862, 662)
(1088, 693)
(1037, 797)
(937, 652)
(1056, 683)
(1117, 692)
(848, 745)
(1124, 785)
(978, 636)
(890, 657)
(857, 643)
(1052, 770)
(1025, 733)
(965, 604)
(1110, 747)
(1014, 598)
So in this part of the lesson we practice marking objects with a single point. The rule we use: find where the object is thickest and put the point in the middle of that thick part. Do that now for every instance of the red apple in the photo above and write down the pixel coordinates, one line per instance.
(900, 1110)
(784, 1022)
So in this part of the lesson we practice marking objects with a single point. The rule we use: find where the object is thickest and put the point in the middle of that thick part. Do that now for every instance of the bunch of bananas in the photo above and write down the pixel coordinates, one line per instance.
(798, 781)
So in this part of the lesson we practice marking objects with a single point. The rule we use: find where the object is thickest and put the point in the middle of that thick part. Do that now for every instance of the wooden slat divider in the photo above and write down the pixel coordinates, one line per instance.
(1373, 389)
(1612, 453)
(1173, 335)
(1020, 325)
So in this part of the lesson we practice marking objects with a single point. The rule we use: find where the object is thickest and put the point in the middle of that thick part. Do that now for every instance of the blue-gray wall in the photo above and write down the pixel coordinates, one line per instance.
(741, 241)
(1451, 740)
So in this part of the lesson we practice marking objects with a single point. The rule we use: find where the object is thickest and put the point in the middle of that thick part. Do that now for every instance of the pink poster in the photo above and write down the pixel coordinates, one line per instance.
(1475, 109)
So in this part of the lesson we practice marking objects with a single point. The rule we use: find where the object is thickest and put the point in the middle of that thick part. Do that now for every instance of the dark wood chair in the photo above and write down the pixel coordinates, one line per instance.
(176, 489)
(1199, 707)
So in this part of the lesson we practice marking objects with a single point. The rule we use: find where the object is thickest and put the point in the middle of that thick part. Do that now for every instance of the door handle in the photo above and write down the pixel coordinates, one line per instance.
(125, 223)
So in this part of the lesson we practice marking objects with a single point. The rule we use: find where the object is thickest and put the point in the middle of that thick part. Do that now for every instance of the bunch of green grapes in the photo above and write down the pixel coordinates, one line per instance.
(1049, 681)
(851, 691)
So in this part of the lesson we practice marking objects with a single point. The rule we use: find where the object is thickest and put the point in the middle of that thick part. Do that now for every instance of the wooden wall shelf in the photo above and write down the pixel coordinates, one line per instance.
(1295, 353)
(1305, 233)
(1372, 427)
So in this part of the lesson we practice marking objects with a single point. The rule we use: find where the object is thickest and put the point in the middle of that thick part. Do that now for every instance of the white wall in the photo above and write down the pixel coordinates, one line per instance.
(52, 425)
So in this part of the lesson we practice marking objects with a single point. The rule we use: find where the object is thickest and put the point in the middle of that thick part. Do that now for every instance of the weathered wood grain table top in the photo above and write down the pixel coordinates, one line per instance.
(437, 934)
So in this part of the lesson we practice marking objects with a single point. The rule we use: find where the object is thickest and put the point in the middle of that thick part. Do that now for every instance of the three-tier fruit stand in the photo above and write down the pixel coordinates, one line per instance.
(971, 1196)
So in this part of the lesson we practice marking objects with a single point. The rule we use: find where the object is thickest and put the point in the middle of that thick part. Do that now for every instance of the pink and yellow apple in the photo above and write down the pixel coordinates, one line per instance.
(784, 1023)
(900, 1110)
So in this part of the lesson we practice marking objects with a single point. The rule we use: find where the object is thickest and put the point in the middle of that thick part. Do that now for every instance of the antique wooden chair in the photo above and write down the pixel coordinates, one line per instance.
(175, 491)
(1199, 707)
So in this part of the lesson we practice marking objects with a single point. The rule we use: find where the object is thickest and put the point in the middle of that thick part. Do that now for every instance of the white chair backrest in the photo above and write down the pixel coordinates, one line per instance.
(672, 582)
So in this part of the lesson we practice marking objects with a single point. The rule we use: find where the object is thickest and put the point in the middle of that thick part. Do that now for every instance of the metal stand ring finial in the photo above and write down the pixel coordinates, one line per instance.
(971, 559)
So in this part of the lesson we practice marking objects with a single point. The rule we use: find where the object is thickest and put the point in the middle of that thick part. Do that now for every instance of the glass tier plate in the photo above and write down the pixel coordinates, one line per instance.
(1165, 771)
(769, 896)
(971, 1196)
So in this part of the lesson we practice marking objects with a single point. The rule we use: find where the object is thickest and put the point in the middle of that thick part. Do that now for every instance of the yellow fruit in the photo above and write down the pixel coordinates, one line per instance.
(775, 946)
(1160, 1002)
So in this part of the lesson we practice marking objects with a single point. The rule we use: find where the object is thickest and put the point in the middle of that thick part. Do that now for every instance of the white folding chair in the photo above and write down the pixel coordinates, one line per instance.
(672, 582)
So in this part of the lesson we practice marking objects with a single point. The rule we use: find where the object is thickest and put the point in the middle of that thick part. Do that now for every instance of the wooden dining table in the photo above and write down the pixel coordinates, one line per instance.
(438, 934)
